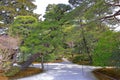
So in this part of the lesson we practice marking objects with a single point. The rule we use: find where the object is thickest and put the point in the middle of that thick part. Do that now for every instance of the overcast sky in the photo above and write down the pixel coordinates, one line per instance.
(42, 4)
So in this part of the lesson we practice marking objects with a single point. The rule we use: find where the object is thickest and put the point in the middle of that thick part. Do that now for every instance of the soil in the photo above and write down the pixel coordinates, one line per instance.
(107, 73)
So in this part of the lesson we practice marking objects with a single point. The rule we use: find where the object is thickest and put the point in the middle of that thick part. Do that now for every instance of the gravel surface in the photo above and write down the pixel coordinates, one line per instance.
(63, 71)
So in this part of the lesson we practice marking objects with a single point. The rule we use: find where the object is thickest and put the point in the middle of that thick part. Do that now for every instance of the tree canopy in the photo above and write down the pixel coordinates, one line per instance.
(56, 12)
(12, 8)
(81, 28)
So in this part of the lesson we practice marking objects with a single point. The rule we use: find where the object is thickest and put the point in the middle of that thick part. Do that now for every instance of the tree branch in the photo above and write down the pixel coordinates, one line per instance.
(115, 4)
(112, 16)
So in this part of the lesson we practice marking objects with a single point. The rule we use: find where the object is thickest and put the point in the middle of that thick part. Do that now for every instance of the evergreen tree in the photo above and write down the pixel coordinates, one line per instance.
(9, 9)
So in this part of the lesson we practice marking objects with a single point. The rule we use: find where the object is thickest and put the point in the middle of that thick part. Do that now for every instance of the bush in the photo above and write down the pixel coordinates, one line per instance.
(80, 58)
(14, 75)
(107, 50)
(47, 58)
(27, 72)
(13, 71)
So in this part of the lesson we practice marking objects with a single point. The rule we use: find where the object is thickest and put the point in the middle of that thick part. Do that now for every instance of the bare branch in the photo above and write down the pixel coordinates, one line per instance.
(112, 16)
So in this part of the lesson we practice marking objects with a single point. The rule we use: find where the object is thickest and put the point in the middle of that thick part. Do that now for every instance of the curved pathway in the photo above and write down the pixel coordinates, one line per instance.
(63, 71)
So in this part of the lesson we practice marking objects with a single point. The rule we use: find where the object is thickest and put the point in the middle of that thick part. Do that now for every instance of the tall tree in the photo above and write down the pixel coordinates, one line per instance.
(94, 14)
(11, 8)
(22, 27)
(102, 10)
(56, 12)
(45, 39)
(106, 52)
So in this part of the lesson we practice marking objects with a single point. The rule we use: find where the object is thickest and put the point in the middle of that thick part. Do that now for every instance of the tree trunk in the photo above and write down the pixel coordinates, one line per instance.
(86, 47)
(85, 43)
(42, 61)
(29, 61)
(32, 58)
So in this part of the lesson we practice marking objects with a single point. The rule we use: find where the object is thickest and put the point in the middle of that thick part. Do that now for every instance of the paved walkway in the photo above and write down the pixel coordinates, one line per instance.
(63, 71)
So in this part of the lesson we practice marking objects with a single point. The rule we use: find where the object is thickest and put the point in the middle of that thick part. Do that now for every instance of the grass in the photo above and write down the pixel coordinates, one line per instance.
(105, 73)
(24, 73)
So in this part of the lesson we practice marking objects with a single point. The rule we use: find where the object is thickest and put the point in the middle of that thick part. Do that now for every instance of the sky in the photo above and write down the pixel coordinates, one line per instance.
(42, 4)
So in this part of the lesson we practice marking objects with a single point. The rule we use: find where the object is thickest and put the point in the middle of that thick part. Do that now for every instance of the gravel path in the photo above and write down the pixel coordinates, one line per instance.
(63, 71)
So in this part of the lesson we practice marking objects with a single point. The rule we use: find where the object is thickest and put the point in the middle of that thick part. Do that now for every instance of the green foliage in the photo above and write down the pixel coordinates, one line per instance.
(45, 38)
(95, 10)
(80, 58)
(48, 58)
(23, 25)
(77, 59)
(56, 12)
(25, 20)
(104, 49)
(82, 26)
(12, 8)
(13, 71)
(115, 58)
(26, 73)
